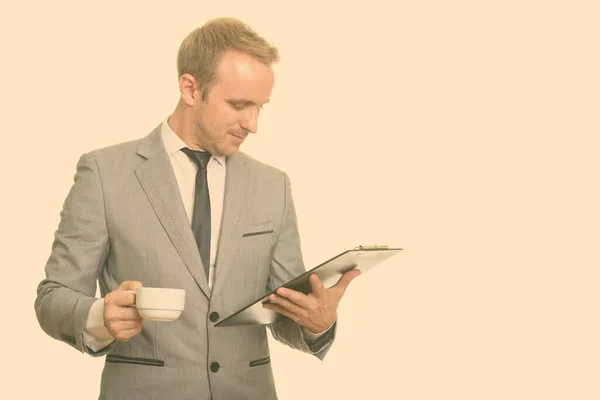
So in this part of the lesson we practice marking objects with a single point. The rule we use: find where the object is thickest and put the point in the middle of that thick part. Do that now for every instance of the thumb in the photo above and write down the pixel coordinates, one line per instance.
(347, 278)
(130, 285)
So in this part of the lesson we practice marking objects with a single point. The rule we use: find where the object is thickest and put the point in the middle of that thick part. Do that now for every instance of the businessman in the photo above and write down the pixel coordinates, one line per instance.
(182, 207)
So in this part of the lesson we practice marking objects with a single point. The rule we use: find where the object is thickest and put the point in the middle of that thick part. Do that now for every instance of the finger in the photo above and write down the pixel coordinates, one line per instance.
(121, 298)
(122, 314)
(128, 314)
(118, 326)
(317, 286)
(130, 285)
(125, 295)
(294, 296)
(288, 305)
(281, 310)
(123, 329)
(125, 335)
(345, 280)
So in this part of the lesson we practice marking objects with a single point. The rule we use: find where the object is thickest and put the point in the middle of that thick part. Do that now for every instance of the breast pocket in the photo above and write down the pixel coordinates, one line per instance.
(258, 229)
(257, 243)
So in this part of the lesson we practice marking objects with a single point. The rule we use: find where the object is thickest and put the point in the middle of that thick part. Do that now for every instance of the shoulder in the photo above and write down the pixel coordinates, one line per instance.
(122, 151)
(266, 176)
(261, 169)
(115, 150)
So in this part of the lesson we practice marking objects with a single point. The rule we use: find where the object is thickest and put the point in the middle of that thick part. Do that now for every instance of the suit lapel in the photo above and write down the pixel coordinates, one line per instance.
(160, 185)
(239, 186)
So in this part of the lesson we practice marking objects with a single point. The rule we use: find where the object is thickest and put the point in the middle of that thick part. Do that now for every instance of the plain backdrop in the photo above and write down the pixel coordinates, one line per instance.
(465, 132)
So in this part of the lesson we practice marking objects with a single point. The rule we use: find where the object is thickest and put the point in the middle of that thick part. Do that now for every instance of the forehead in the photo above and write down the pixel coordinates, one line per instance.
(241, 76)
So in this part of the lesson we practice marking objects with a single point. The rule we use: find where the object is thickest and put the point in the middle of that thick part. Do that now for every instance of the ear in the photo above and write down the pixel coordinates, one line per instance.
(190, 90)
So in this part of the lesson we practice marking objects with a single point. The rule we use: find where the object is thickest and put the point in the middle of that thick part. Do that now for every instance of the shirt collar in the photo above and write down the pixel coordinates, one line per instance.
(173, 142)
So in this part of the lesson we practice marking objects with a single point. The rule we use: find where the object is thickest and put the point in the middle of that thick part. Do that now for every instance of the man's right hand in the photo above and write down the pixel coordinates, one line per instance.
(121, 318)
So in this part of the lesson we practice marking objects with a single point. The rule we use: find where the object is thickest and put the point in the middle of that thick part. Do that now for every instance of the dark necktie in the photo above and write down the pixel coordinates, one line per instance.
(201, 215)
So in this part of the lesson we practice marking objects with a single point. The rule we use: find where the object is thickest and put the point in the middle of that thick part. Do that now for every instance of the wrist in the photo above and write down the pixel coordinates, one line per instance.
(315, 332)
(96, 324)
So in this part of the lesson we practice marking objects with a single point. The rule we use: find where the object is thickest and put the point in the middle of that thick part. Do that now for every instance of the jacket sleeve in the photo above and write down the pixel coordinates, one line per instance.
(78, 253)
(286, 264)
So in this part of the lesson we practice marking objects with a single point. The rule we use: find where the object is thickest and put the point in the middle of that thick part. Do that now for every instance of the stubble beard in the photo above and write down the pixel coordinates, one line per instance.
(205, 139)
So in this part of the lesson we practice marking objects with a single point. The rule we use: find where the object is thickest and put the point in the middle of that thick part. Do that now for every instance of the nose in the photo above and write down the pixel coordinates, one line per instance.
(250, 119)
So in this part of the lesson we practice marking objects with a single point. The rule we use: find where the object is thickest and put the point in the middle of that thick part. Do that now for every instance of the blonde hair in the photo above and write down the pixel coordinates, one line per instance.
(200, 50)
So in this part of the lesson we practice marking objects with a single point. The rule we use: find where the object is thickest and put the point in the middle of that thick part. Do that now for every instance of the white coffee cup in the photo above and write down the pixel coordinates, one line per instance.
(159, 304)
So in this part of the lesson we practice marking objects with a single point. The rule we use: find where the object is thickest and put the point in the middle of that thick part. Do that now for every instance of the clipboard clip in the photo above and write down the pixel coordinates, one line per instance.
(374, 247)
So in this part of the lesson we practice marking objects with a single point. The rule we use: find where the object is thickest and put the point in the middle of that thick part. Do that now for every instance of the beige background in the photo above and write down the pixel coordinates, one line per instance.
(465, 132)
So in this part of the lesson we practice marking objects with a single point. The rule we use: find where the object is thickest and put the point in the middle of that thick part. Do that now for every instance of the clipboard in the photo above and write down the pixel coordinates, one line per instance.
(329, 272)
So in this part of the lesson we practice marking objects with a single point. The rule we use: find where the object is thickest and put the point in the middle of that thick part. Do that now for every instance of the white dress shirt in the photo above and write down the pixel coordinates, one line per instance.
(96, 336)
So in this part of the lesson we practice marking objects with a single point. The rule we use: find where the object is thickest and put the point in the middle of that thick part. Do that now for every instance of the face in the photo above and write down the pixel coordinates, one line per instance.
(230, 112)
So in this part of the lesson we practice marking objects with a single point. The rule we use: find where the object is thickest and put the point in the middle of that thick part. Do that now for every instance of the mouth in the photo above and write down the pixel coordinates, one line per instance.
(240, 137)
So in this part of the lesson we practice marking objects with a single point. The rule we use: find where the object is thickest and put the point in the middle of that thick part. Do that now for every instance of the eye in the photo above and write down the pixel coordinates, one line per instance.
(241, 106)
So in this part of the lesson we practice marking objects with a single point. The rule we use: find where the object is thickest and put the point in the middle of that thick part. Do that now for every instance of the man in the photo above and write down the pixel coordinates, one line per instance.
(153, 212)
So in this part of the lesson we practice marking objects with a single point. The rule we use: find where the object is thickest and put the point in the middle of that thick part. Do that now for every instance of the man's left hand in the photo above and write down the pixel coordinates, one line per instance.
(316, 311)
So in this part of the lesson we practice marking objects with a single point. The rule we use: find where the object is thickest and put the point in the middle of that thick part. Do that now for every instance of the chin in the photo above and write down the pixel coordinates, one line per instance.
(227, 151)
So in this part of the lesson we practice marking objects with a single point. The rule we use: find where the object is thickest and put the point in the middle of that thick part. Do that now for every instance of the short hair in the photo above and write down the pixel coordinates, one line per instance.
(201, 49)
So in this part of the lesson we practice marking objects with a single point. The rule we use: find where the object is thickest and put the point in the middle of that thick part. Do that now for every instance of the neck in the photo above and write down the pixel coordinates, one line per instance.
(182, 124)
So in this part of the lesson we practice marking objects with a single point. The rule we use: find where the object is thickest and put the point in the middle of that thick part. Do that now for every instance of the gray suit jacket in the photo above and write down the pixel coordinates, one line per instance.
(124, 219)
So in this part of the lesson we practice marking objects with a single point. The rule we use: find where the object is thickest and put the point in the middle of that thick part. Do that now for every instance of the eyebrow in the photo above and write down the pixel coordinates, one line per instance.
(245, 101)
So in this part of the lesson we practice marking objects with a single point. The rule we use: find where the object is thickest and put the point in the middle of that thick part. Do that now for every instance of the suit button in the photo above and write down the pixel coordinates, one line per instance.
(214, 316)
(214, 367)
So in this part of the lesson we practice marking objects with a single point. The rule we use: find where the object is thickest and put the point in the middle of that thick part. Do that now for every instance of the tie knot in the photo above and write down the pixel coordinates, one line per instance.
(201, 158)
